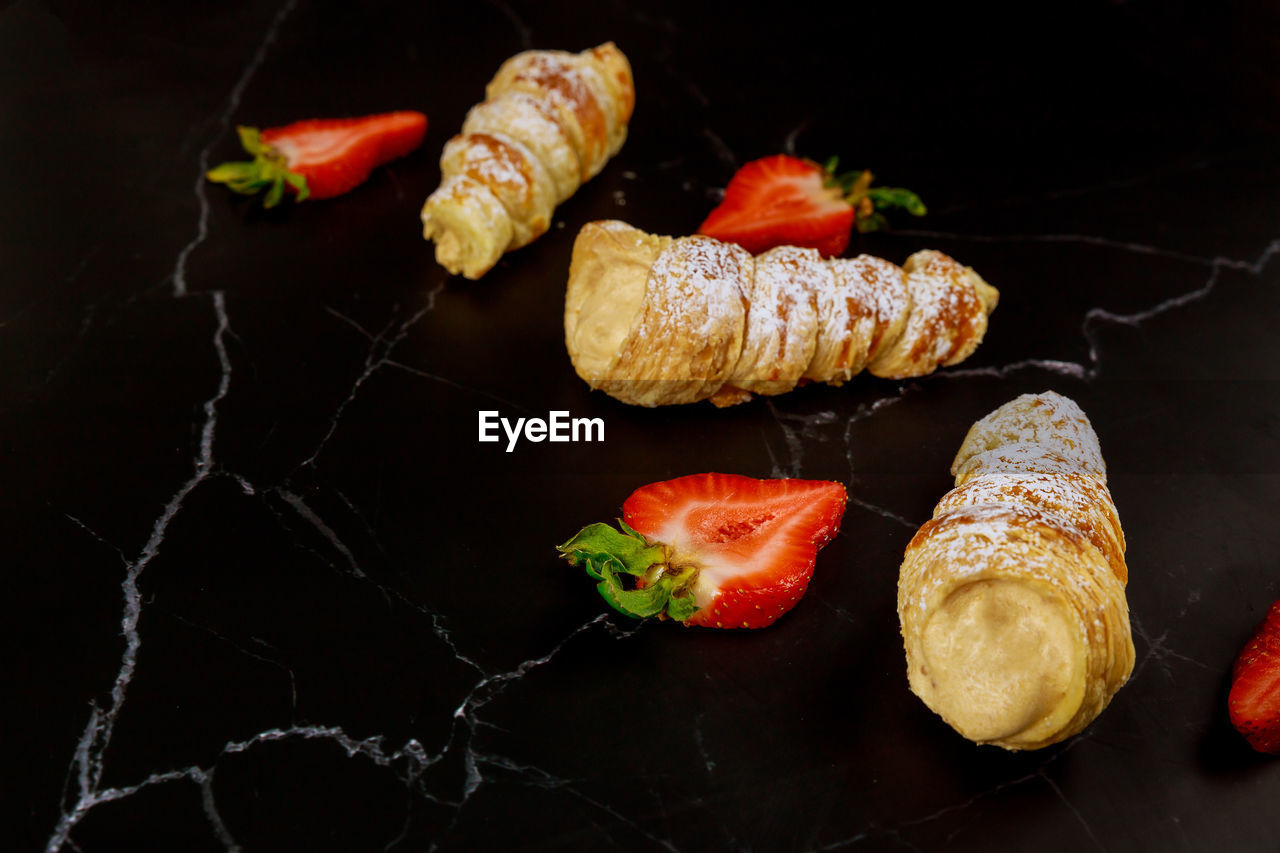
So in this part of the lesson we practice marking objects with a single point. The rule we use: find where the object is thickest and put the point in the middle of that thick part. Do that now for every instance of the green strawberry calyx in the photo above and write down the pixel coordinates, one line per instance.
(267, 170)
(869, 203)
(608, 554)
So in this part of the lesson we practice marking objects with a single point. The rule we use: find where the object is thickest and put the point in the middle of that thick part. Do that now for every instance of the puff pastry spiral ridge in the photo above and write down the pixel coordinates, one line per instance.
(654, 320)
(1011, 598)
(550, 121)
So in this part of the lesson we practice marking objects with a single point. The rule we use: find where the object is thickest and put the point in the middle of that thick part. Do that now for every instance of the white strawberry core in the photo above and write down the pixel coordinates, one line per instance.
(749, 552)
(314, 146)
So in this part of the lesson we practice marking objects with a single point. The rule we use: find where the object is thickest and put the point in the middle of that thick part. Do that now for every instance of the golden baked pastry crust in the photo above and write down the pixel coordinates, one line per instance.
(628, 289)
(947, 320)
(1011, 598)
(733, 325)
(783, 286)
(508, 170)
(550, 121)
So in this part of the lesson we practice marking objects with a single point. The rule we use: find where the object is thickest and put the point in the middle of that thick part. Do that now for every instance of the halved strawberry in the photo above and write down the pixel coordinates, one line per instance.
(319, 158)
(719, 550)
(789, 201)
(1254, 701)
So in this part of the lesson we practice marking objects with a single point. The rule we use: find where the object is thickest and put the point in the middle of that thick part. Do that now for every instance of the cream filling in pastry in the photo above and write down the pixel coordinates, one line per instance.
(605, 295)
(716, 323)
(1011, 599)
(997, 658)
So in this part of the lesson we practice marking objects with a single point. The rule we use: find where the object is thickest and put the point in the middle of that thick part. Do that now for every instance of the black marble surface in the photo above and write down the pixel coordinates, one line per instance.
(266, 590)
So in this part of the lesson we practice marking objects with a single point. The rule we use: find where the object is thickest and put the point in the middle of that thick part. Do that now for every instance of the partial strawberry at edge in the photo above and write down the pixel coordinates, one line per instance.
(790, 201)
(1254, 701)
(719, 550)
(319, 158)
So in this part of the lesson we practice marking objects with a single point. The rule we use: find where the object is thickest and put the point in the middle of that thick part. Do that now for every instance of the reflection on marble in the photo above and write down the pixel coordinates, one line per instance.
(280, 597)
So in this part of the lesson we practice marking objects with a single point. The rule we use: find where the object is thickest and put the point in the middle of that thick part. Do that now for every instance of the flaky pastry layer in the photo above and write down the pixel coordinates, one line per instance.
(550, 121)
(659, 320)
(1011, 599)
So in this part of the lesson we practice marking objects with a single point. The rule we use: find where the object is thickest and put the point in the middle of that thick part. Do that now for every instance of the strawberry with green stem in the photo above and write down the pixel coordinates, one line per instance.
(718, 550)
(791, 201)
(319, 158)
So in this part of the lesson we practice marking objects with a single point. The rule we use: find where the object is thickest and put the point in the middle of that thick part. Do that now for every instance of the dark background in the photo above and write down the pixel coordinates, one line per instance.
(266, 590)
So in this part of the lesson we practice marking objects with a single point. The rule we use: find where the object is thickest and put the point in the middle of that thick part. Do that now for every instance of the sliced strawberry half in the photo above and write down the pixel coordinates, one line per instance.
(790, 201)
(319, 158)
(1254, 700)
(719, 550)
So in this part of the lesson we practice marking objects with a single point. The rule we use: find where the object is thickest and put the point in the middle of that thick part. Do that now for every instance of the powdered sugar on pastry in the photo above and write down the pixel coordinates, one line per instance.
(692, 295)
(806, 319)
(1011, 598)
(550, 121)
(1031, 426)
(782, 323)
(947, 319)
(535, 124)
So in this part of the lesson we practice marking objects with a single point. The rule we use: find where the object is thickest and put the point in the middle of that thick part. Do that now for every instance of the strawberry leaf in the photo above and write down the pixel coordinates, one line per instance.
(274, 194)
(870, 222)
(869, 203)
(896, 198)
(606, 554)
(680, 606)
(251, 140)
(267, 170)
(627, 551)
(236, 172)
(629, 530)
(640, 603)
(852, 184)
(299, 184)
(598, 566)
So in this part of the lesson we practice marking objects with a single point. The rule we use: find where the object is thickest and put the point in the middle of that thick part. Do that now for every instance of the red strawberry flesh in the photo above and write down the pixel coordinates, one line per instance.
(754, 542)
(337, 155)
(782, 200)
(1254, 701)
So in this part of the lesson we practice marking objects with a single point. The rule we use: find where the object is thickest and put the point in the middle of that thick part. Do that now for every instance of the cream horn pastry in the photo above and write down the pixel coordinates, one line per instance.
(550, 121)
(1011, 598)
(654, 320)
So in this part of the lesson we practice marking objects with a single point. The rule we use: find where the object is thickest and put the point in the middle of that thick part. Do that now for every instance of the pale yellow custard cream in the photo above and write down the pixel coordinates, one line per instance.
(605, 292)
(656, 321)
(1000, 662)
